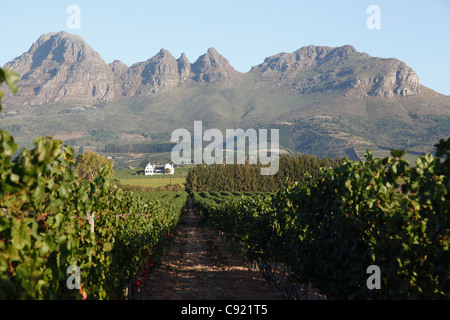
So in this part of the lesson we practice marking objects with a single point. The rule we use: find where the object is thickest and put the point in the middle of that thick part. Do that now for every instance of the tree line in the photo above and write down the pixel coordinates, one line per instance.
(247, 177)
(156, 147)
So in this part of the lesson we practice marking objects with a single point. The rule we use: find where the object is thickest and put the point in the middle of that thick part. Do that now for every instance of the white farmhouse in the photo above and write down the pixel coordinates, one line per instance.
(152, 169)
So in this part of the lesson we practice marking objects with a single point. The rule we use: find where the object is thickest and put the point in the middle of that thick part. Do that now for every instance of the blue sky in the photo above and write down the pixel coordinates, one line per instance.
(244, 31)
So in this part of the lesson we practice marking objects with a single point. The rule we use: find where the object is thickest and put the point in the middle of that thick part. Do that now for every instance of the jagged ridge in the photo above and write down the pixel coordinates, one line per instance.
(61, 66)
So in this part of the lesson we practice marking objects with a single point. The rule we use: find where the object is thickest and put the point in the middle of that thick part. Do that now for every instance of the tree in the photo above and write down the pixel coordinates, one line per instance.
(88, 164)
(10, 77)
(443, 151)
(191, 183)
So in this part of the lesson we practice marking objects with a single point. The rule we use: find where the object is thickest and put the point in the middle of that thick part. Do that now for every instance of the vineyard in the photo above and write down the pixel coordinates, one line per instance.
(323, 232)
(51, 220)
(323, 228)
(326, 231)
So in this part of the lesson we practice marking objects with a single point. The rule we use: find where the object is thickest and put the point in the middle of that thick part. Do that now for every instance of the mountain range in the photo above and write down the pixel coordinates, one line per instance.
(325, 100)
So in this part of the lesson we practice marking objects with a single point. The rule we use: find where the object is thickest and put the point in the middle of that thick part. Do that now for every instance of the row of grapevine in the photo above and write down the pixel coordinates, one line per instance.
(222, 196)
(330, 228)
(50, 220)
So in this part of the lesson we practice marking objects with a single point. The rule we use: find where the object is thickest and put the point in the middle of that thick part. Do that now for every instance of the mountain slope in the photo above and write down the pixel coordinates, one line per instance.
(316, 69)
(60, 66)
(324, 100)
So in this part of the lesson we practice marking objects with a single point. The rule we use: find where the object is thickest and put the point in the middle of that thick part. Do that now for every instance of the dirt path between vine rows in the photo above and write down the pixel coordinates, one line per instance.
(198, 265)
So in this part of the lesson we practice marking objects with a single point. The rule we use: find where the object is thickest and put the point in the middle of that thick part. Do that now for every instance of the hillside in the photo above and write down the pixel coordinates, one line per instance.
(324, 100)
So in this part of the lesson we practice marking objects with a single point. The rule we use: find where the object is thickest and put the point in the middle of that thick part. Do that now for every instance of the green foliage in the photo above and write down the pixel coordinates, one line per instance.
(45, 226)
(153, 147)
(328, 229)
(10, 77)
(247, 177)
(102, 134)
(443, 150)
(88, 165)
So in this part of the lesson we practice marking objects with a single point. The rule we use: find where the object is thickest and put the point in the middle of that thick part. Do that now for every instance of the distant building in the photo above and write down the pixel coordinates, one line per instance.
(152, 169)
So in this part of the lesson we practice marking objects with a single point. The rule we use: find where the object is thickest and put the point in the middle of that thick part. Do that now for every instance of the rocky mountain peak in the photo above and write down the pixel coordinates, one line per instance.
(341, 68)
(158, 73)
(164, 53)
(212, 66)
(61, 66)
(61, 47)
(118, 67)
(184, 67)
(306, 57)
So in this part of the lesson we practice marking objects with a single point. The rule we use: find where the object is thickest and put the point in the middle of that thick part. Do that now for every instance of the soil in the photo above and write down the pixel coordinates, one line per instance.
(199, 265)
